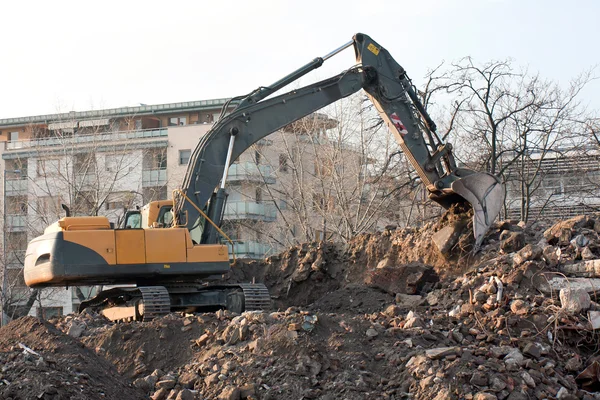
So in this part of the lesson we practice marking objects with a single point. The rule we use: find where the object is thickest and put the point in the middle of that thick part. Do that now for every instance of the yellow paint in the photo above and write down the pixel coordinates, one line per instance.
(100, 241)
(208, 253)
(150, 212)
(165, 245)
(131, 247)
(83, 223)
(374, 49)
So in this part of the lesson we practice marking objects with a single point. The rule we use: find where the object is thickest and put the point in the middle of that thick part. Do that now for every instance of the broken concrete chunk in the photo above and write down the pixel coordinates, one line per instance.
(409, 300)
(588, 269)
(76, 329)
(574, 300)
(527, 253)
(551, 285)
(372, 333)
(186, 394)
(441, 352)
(519, 307)
(594, 317)
(512, 241)
(485, 396)
(230, 393)
(446, 238)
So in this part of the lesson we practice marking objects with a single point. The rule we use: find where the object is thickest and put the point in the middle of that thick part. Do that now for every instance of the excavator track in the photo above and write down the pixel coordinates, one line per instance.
(156, 302)
(145, 303)
(256, 296)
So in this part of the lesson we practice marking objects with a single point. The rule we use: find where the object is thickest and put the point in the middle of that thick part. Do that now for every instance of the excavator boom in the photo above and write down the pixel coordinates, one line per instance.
(388, 88)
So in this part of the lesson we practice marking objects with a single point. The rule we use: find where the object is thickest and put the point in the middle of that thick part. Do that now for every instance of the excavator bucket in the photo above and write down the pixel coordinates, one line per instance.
(486, 194)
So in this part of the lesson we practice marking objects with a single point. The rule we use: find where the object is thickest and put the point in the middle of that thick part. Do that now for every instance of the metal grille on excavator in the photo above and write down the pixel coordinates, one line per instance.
(256, 296)
(156, 302)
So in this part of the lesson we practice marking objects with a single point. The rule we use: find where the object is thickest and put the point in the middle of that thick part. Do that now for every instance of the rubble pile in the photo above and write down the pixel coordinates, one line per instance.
(401, 314)
(37, 361)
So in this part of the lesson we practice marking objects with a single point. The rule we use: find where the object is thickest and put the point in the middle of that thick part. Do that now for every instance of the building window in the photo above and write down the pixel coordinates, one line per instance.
(14, 136)
(155, 159)
(258, 195)
(84, 163)
(184, 157)
(257, 157)
(48, 205)
(84, 203)
(283, 204)
(323, 203)
(553, 184)
(115, 205)
(16, 205)
(154, 193)
(283, 162)
(177, 121)
(48, 167)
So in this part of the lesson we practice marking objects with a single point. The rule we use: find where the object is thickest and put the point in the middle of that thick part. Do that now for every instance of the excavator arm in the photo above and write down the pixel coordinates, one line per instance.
(390, 90)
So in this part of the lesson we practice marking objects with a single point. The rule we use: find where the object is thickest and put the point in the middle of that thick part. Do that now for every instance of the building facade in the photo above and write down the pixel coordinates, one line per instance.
(557, 184)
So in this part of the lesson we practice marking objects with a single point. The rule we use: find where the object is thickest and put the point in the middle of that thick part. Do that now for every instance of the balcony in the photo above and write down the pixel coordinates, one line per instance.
(154, 177)
(99, 138)
(15, 259)
(16, 187)
(237, 210)
(249, 171)
(16, 222)
(250, 249)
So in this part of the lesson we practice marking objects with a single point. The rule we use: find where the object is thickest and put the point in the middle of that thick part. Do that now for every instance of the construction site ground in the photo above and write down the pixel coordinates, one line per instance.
(399, 314)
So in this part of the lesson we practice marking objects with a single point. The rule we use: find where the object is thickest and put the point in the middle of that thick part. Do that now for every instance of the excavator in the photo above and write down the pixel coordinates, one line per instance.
(171, 251)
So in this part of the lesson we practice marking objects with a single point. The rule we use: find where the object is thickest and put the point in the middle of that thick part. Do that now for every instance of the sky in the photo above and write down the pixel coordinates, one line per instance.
(62, 56)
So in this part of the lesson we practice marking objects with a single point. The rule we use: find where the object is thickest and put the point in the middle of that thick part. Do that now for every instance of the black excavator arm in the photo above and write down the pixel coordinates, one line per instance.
(390, 90)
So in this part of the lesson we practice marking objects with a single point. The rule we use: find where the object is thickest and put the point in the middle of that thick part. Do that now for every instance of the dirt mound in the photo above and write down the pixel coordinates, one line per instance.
(389, 316)
(394, 261)
(40, 362)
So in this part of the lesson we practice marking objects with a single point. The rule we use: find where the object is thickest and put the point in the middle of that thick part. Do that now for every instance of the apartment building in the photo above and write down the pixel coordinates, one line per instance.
(561, 183)
(100, 162)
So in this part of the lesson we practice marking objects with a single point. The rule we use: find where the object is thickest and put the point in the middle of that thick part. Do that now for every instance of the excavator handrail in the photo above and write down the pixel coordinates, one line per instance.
(211, 222)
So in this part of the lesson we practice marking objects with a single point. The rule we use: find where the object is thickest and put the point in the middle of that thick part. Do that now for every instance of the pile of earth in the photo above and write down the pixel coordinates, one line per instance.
(389, 316)
(39, 361)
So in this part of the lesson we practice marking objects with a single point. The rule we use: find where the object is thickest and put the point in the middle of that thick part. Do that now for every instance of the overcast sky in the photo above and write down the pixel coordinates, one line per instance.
(60, 56)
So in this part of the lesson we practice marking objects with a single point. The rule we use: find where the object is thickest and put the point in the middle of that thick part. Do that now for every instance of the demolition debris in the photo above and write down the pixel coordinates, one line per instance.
(400, 314)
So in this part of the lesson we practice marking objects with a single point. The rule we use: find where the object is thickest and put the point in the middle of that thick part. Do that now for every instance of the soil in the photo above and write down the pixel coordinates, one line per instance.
(386, 316)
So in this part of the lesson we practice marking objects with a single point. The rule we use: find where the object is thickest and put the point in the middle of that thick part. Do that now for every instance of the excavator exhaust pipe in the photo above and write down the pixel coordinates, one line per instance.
(486, 194)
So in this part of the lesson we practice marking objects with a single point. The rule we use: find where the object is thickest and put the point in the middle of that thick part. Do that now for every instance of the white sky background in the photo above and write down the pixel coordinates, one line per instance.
(60, 56)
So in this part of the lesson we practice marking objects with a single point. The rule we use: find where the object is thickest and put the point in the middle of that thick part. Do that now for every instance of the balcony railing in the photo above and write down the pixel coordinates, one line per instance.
(16, 187)
(109, 137)
(15, 259)
(250, 249)
(154, 177)
(331, 142)
(16, 222)
(250, 210)
(249, 171)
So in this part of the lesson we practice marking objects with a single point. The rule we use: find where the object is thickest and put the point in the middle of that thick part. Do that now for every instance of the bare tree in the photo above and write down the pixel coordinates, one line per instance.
(89, 166)
(511, 123)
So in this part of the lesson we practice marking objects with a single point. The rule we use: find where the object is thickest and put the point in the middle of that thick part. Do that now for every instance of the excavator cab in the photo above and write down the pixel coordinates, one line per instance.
(156, 214)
